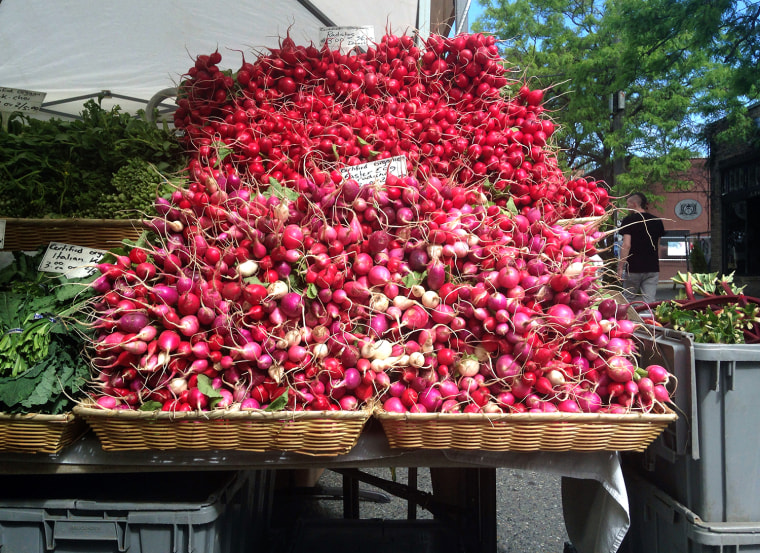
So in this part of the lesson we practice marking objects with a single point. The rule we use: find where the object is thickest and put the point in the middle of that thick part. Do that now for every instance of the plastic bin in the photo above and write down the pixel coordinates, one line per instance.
(188, 512)
(660, 524)
(710, 462)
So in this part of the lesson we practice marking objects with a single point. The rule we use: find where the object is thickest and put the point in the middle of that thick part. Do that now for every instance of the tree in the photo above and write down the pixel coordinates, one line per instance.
(668, 57)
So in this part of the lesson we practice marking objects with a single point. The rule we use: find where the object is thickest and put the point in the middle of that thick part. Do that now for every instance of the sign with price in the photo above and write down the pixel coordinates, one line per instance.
(374, 171)
(346, 38)
(69, 260)
(16, 99)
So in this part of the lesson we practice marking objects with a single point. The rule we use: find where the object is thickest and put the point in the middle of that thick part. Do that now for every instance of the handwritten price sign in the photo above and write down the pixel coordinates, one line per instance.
(16, 99)
(71, 261)
(374, 171)
(346, 38)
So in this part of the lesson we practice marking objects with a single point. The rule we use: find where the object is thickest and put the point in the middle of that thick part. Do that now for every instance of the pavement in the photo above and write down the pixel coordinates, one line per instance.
(666, 291)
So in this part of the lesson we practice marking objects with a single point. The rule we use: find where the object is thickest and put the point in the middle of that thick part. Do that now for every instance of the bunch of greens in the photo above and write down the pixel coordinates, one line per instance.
(42, 368)
(60, 169)
(714, 310)
(136, 186)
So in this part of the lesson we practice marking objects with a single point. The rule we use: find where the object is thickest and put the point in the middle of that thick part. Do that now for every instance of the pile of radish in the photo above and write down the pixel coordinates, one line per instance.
(462, 283)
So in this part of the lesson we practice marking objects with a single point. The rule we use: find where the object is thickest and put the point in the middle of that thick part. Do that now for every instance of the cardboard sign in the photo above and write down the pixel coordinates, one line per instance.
(374, 171)
(346, 38)
(16, 99)
(71, 261)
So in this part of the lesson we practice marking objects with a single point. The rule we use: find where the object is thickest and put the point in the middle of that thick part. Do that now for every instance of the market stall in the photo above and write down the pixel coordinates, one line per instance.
(594, 494)
(372, 257)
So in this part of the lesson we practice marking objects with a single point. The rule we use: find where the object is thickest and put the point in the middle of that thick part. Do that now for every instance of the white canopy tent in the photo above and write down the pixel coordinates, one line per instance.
(129, 51)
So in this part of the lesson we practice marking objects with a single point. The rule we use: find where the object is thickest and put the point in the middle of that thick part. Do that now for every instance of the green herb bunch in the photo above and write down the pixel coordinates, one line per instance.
(42, 366)
(714, 310)
(724, 325)
(136, 186)
(60, 169)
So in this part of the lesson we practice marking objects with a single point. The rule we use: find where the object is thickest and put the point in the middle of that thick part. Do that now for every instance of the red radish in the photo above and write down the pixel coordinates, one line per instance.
(427, 284)
(658, 374)
(132, 322)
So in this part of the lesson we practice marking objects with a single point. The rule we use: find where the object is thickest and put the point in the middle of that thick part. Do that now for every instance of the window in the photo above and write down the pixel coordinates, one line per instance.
(674, 245)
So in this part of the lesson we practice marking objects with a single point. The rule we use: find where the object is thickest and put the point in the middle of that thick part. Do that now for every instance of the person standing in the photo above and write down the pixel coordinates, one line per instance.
(641, 233)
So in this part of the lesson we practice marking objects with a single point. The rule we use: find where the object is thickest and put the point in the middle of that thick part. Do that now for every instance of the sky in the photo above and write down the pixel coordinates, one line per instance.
(476, 10)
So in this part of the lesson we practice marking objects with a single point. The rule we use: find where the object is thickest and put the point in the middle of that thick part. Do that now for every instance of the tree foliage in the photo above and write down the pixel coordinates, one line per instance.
(680, 64)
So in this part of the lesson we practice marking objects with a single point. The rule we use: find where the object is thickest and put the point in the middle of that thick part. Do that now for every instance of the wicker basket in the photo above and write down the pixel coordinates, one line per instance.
(321, 433)
(37, 433)
(524, 431)
(101, 234)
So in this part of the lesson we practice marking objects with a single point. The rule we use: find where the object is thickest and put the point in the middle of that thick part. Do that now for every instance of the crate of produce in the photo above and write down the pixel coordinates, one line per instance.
(525, 431)
(39, 433)
(102, 234)
(660, 524)
(318, 433)
(717, 473)
(182, 512)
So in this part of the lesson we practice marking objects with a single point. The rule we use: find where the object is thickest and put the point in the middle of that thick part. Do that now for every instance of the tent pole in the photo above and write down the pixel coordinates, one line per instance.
(423, 19)
(316, 12)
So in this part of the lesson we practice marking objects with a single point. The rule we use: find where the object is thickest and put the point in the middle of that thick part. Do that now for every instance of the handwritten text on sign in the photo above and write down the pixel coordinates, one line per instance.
(71, 261)
(346, 38)
(15, 99)
(374, 171)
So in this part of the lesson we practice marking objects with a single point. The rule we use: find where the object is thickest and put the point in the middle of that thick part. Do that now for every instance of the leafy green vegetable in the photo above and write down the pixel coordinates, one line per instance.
(714, 310)
(725, 325)
(136, 186)
(41, 363)
(413, 278)
(56, 168)
(281, 191)
(204, 385)
(278, 403)
(49, 386)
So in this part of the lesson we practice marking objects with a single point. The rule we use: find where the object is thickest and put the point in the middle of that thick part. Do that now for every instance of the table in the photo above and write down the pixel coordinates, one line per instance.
(595, 501)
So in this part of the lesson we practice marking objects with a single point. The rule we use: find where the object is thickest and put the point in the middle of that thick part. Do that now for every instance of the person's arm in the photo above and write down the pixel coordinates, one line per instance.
(625, 250)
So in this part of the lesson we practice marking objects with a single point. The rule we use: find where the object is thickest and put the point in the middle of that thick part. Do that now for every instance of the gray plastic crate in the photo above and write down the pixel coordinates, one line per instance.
(660, 524)
(188, 512)
(710, 461)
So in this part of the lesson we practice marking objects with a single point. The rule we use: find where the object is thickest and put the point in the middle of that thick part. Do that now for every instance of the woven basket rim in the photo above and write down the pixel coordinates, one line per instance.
(87, 411)
(36, 417)
(666, 416)
(72, 222)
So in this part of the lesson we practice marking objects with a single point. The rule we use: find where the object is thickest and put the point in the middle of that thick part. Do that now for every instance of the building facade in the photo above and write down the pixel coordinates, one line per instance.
(686, 217)
(735, 197)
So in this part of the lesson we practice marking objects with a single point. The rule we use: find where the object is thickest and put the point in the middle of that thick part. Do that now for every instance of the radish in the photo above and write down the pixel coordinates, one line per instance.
(454, 282)
(620, 369)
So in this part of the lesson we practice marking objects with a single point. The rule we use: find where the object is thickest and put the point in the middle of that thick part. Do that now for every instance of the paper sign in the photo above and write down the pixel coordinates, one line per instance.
(369, 173)
(346, 38)
(2, 234)
(16, 99)
(71, 261)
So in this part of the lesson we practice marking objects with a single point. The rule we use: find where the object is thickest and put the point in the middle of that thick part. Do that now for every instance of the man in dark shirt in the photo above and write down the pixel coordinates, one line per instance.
(641, 233)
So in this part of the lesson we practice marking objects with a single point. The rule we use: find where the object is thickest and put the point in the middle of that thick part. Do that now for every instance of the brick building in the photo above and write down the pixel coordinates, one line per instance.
(686, 216)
